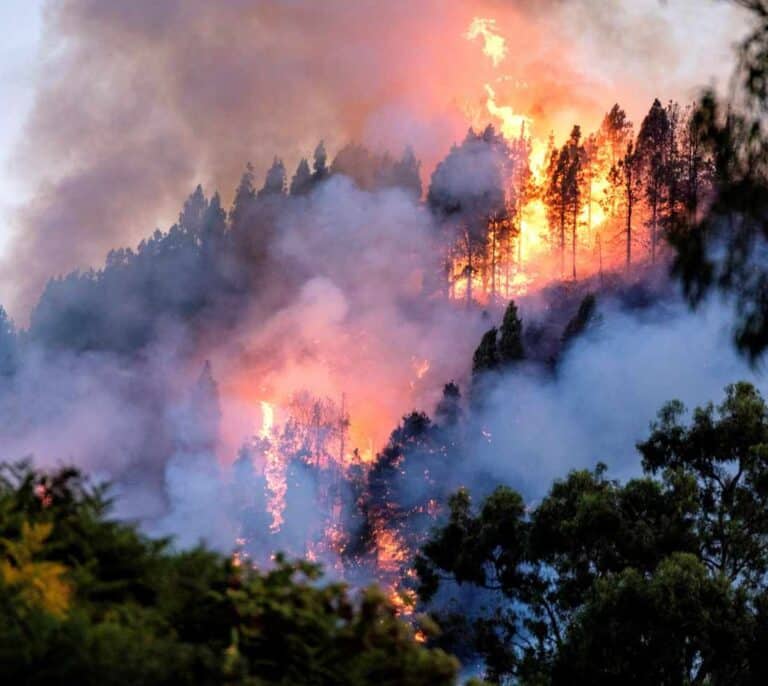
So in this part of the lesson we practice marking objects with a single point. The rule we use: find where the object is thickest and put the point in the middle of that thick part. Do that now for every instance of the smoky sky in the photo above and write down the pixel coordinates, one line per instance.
(137, 102)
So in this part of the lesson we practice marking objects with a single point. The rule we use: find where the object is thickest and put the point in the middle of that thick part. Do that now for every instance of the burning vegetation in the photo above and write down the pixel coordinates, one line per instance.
(503, 215)
(325, 367)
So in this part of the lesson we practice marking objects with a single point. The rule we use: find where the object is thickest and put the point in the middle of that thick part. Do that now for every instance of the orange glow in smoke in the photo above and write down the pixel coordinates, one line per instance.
(529, 262)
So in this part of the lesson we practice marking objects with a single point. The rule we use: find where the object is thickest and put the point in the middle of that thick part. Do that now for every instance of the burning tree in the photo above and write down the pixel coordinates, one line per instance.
(564, 195)
(471, 196)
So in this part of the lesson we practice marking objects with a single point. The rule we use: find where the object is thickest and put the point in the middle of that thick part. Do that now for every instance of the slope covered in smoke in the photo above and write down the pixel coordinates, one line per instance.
(330, 294)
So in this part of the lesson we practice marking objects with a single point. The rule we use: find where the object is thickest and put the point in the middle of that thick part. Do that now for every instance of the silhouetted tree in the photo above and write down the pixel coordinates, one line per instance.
(467, 191)
(563, 194)
(9, 349)
(275, 180)
(659, 580)
(627, 178)
(242, 206)
(586, 314)
(301, 183)
(193, 213)
(724, 248)
(655, 167)
(511, 339)
(86, 599)
(407, 173)
(448, 412)
(486, 357)
(320, 165)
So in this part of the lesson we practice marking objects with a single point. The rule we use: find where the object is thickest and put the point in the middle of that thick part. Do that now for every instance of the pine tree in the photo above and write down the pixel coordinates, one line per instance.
(576, 164)
(626, 177)
(510, 347)
(563, 195)
(244, 197)
(696, 167)
(585, 315)
(407, 173)
(614, 134)
(193, 213)
(199, 420)
(612, 138)
(301, 183)
(448, 410)
(466, 212)
(555, 199)
(9, 349)
(654, 166)
(274, 182)
(320, 171)
(214, 224)
(486, 357)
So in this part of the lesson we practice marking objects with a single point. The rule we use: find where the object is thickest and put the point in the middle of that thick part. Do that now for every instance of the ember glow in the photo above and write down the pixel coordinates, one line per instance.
(518, 255)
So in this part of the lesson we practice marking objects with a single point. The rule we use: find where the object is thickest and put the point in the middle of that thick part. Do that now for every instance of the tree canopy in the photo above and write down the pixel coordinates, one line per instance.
(659, 580)
(88, 600)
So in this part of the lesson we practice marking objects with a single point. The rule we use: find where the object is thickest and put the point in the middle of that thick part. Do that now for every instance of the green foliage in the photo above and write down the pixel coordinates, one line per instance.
(40, 585)
(87, 600)
(724, 452)
(660, 580)
(676, 625)
(724, 248)
(291, 632)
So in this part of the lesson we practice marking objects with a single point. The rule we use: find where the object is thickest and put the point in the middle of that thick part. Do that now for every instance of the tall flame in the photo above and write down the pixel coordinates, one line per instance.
(494, 44)
(274, 467)
(267, 419)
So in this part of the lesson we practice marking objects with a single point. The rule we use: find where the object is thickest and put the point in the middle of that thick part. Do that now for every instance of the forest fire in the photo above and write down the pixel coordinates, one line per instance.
(511, 211)
(344, 314)
(565, 209)
(375, 400)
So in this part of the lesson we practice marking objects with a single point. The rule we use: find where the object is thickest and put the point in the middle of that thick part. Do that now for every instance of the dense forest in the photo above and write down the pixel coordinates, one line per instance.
(501, 218)
(531, 253)
(656, 580)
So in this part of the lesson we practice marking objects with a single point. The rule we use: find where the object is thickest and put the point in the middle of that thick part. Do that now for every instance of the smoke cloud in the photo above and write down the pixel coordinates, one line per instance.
(609, 387)
(139, 101)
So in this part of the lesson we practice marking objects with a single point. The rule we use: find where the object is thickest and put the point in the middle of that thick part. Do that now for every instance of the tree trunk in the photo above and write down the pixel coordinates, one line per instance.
(493, 261)
(629, 230)
(573, 239)
(469, 269)
(562, 241)
(600, 254)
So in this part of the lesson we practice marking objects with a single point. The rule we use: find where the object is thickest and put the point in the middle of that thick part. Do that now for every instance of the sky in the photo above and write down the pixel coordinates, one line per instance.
(20, 33)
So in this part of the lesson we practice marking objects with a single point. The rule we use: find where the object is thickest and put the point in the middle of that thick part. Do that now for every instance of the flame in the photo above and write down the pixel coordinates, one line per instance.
(494, 44)
(274, 467)
(267, 419)
(420, 369)
(391, 551)
(517, 258)
(531, 262)
(513, 124)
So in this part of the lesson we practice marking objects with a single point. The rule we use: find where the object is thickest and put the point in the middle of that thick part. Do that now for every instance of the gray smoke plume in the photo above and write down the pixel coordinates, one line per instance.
(139, 101)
